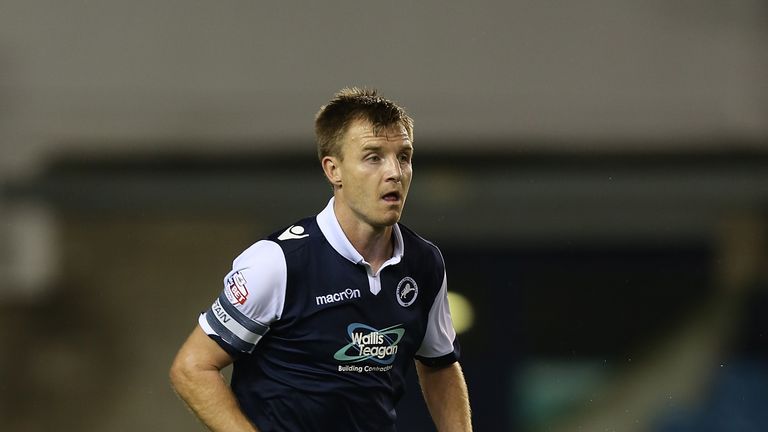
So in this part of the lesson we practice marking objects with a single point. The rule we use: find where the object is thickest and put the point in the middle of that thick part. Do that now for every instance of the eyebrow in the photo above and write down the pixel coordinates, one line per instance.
(376, 147)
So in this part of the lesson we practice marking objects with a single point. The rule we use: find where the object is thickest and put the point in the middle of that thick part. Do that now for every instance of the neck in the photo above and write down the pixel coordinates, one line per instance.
(375, 244)
(376, 248)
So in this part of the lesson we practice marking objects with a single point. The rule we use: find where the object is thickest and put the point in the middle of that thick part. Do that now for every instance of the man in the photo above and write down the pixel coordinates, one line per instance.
(323, 318)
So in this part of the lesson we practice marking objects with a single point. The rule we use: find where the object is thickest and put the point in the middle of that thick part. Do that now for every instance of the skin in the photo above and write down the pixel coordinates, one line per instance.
(445, 393)
(370, 167)
(196, 376)
(371, 178)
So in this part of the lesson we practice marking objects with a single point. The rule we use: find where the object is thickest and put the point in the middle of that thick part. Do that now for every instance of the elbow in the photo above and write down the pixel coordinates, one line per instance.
(198, 360)
(179, 373)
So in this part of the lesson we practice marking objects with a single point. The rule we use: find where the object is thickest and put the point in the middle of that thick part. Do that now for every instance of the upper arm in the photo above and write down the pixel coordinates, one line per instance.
(439, 346)
(253, 297)
(427, 373)
(446, 395)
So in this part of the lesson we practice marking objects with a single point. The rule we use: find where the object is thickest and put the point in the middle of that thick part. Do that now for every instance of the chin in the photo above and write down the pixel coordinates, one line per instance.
(390, 220)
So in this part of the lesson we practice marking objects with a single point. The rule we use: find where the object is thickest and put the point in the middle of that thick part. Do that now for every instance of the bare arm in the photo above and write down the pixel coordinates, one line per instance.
(445, 393)
(196, 377)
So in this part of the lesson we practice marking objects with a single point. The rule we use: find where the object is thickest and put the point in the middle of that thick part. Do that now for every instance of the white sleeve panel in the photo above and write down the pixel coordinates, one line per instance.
(253, 297)
(438, 340)
(264, 274)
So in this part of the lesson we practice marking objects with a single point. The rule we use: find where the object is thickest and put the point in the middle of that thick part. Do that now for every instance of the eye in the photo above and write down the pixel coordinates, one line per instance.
(373, 157)
(405, 157)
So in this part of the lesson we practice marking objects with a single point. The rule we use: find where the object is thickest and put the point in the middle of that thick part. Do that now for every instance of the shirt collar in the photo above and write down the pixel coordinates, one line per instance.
(332, 231)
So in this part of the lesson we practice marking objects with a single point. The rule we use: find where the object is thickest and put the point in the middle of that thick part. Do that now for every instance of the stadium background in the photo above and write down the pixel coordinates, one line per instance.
(595, 172)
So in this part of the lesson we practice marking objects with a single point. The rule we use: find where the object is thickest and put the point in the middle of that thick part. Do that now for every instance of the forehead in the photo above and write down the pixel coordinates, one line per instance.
(361, 133)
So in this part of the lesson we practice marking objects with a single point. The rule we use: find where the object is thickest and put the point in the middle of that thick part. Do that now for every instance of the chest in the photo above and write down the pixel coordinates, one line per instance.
(340, 310)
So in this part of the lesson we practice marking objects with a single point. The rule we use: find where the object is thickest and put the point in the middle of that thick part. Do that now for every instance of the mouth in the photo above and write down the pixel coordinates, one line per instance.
(393, 197)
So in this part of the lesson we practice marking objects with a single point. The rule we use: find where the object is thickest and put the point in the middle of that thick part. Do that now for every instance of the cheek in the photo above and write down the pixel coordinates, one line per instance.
(408, 173)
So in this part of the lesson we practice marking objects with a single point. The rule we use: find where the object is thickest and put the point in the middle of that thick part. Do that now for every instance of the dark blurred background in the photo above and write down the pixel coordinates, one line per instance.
(595, 173)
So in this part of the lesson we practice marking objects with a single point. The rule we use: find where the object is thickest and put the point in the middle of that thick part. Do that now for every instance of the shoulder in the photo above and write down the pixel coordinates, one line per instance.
(260, 252)
(296, 236)
(256, 283)
(417, 246)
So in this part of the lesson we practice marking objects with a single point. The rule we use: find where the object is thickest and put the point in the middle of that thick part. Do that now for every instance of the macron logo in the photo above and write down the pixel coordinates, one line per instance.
(347, 294)
(292, 233)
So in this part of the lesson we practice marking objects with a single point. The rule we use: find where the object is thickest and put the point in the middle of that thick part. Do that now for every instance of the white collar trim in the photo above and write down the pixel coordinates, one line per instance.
(332, 231)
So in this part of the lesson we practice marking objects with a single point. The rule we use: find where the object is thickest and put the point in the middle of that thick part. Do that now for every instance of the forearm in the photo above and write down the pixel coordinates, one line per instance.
(196, 377)
(445, 393)
(210, 398)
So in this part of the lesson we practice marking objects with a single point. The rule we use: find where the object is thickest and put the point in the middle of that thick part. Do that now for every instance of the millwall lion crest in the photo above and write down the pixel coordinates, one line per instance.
(407, 291)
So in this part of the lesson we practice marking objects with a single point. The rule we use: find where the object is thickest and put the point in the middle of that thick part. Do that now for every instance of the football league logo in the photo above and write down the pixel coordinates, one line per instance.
(236, 284)
(407, 291)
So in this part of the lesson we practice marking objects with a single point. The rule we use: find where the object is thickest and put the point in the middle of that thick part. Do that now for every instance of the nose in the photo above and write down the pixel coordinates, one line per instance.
(394, 170)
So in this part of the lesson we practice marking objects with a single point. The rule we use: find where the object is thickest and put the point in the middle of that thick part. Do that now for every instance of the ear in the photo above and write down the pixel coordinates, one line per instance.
(332, 170)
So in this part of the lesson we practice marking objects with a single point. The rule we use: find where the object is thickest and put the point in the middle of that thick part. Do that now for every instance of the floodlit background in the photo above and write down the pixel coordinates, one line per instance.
(595, 173)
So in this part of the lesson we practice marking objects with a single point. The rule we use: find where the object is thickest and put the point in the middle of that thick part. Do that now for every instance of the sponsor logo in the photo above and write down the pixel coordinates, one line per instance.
(236, 285)
(367, 343)
(347, 294)
(293, 232)
(361, 369)
(407, 291)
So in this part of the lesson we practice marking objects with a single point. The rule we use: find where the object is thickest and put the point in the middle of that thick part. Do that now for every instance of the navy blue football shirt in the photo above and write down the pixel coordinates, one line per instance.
(320, 341)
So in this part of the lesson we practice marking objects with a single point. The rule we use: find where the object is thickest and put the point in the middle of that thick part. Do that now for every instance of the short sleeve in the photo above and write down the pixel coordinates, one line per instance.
(252, 299)
(440, 346)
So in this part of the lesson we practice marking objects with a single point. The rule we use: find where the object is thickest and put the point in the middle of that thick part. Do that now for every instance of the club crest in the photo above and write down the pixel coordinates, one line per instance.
(407, 291)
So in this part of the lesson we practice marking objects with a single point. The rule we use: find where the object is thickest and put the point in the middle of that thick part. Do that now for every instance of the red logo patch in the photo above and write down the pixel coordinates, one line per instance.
(237, 287)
